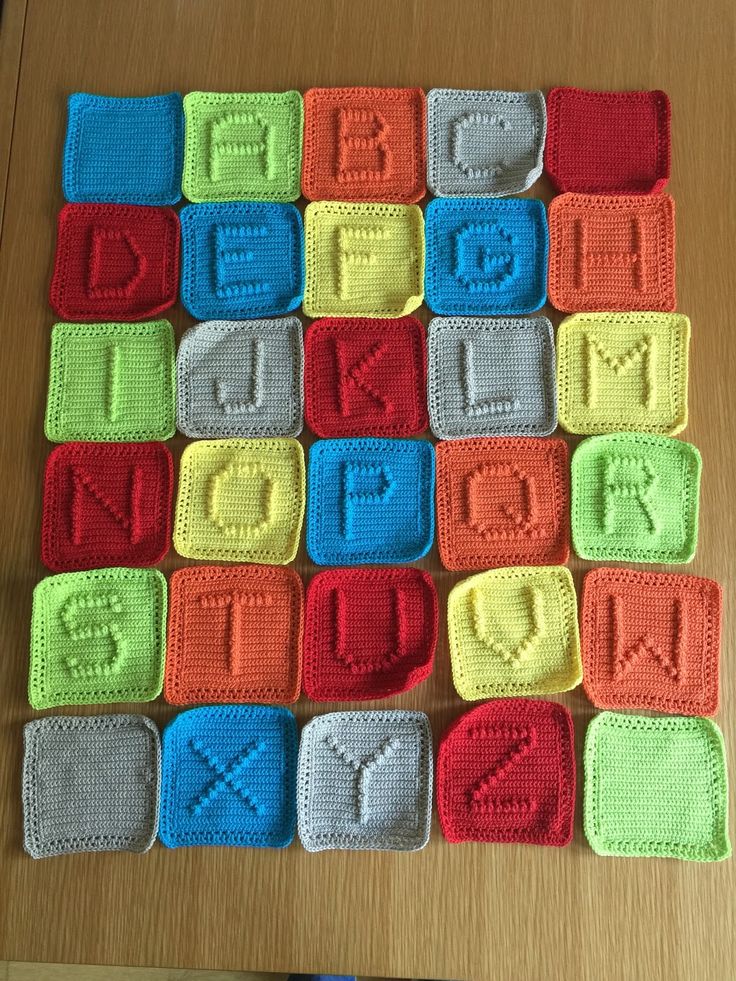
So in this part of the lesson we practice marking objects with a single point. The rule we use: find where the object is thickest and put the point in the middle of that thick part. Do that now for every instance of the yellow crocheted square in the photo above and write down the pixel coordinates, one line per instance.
(240, 500)
(514, 632)
(363, 260)
(623, 372)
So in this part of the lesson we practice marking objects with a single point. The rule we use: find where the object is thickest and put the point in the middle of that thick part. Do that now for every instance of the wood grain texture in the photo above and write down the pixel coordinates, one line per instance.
(471, 911)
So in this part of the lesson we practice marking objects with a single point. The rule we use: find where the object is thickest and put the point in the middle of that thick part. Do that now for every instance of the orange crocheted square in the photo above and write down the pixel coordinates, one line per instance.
(612, 253)
(235, 635)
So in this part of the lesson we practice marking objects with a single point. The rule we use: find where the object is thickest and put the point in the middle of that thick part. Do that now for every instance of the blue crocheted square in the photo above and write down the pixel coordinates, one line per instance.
(241, 260)
(229, 777)
(124, 151)
(370, 501)
(485, 256)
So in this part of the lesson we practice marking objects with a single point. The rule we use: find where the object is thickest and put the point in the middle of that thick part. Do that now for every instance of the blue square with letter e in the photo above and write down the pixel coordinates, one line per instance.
(485, 256)
(370, 501)
(241, 260)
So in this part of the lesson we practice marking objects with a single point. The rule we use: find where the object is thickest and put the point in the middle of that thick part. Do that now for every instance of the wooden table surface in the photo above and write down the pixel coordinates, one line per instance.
(467, 911)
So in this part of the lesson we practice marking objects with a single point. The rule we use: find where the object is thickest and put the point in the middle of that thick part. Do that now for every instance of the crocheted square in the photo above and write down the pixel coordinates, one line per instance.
(111, 382)
(651, 641)
(506, 774)
(365, 781)
(485, 257)
(241, 260)
(126, 151)
(229, 777)
(90, 784)
(106, 504)
(241, 500)
(242, 146)
(612, 253)
(114, 262)
(502, 502)
(656, 788)
(483, 143)
(363, 260)
(240, 379)
(369, 633)
(623, 371)
(364, 144)
(608, 142)
(366, 377)
(491, 377)
(514, 632)
(635, 498)
(235, 635)
(97, 637)
(370, 501)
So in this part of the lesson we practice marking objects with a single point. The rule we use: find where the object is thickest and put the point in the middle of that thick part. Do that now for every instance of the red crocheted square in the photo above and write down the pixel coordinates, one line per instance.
(369, 633)
(366, 377)
(106, 504)
(364, 144)
(235, 635)
(506, 773)
(115, 262)
(651, 640)
(503, 502)
(608, 142)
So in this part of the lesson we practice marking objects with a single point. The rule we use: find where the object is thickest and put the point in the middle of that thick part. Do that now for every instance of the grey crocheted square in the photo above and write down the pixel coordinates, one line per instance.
(240, 379)
(484, 144)
(491, 377)
(90, 784)
(365, 781)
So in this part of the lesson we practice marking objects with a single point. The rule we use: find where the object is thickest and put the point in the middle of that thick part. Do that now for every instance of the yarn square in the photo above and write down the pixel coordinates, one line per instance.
(491, 377)
(363, 260)
(114, 262)
(484, 143)
(366, 377)
(364, 144)
(235, 635)
(106, 504)
(241, 500)
(651, 640)
(242, 146)
(635, 498)
(619, 372)
(485, 256)
(612, 253)
(365, 781)
(370, 501)
(502, 502)
(125, 151)
(241, 260)
(506, 774)
(97, 637)
(608, 142)
(369, 633)
(229, 777)
(111, 382)
(514, 632)
(656, 787)
(237, 379)
(90, 784)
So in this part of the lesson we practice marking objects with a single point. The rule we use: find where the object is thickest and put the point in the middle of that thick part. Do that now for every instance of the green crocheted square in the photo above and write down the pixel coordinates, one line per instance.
(111, 383)
(635, 498)
(97, 637)
(656, 787)
(242, 146)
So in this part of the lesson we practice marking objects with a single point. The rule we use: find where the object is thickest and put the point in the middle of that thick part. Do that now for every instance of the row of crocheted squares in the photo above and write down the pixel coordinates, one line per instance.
(245, 634)
(362, 144)
(505, 773)
(252, 259)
